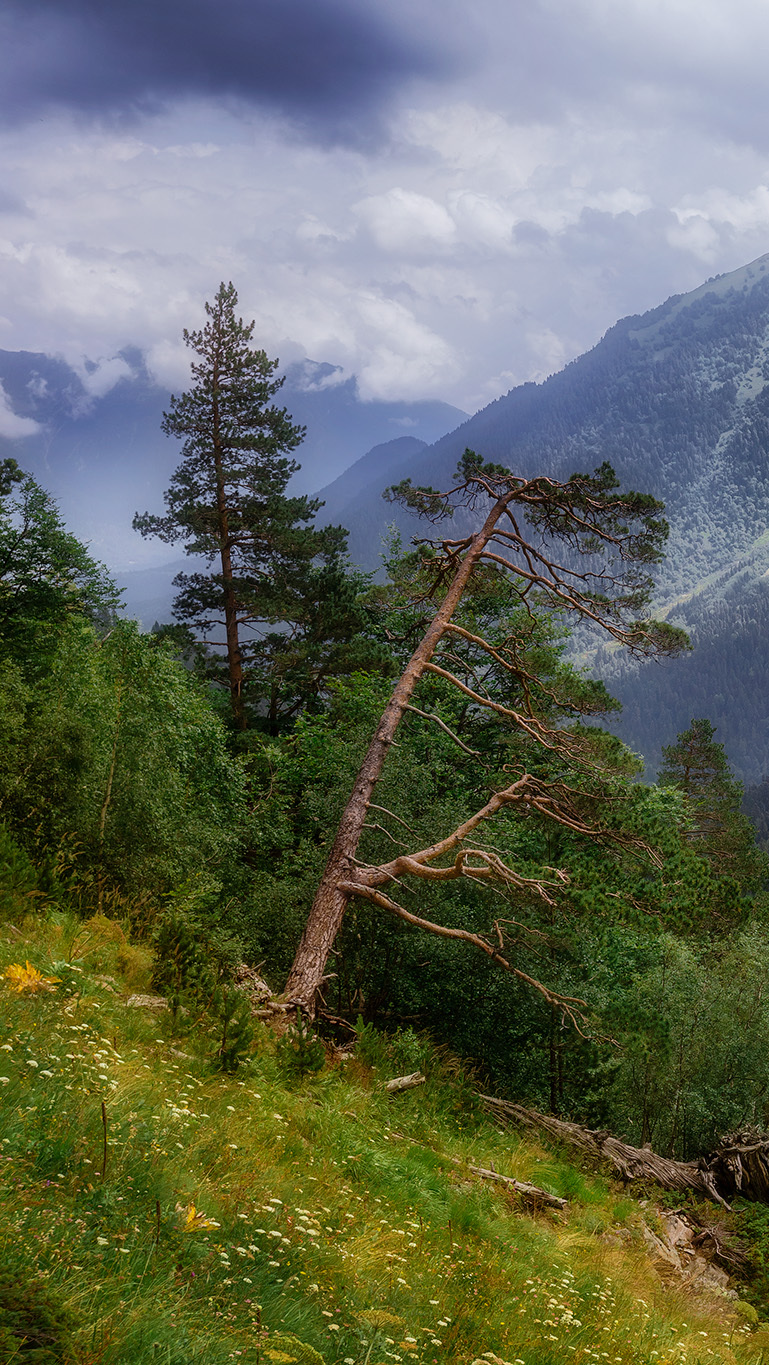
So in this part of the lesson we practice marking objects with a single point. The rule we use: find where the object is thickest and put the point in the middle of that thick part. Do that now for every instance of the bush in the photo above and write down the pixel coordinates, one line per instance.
(35, 1327)
(300, 1052)
(18, 879)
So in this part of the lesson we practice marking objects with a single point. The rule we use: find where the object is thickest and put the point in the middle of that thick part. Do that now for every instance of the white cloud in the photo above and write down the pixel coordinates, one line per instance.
(11, 425)
(99, 376)
(404, 359)
(403, 221)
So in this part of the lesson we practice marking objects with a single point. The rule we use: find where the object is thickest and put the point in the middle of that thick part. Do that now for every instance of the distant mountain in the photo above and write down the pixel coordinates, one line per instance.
(94, 440)
(678, 402)
(354, 499)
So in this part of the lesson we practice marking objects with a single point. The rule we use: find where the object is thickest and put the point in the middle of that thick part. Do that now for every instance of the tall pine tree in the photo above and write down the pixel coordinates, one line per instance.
(227, 500)
(697, 765)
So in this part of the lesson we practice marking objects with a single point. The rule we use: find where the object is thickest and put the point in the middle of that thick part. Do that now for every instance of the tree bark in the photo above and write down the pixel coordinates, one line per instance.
(328, 908)
(530, 1194)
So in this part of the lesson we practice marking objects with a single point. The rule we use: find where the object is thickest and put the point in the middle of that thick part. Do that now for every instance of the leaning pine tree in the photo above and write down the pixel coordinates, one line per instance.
(580, 548)
(227, 500)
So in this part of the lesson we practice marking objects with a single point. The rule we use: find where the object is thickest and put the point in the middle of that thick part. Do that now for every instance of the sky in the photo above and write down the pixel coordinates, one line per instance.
(445, 200)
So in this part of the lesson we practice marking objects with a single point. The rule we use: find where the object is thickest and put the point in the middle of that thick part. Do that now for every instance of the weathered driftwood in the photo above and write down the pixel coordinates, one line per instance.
(738, 1166)
(532, 1194)
(399, 1083)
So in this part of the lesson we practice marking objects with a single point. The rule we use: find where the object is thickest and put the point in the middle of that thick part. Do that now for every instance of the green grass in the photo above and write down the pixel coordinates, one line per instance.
(348, 1226)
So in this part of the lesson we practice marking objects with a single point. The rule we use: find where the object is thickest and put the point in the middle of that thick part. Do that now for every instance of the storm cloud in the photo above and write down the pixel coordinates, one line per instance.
(331, 66)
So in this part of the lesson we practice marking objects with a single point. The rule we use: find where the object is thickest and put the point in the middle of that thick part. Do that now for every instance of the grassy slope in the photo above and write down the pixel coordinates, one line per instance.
(344, 1219)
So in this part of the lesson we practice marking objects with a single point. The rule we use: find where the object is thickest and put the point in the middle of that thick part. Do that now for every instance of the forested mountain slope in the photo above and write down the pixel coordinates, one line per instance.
(678, 402)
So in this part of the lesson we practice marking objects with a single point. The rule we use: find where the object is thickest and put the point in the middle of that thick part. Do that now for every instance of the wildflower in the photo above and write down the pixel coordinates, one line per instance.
(197, 1222)
(6, 1047)
(4, 1080)
(46, 1073)
(28, 978)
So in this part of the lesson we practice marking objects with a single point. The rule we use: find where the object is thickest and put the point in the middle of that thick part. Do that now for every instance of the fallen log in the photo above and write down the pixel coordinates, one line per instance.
(531, 1194)
(738, 1166)
(399, 1083)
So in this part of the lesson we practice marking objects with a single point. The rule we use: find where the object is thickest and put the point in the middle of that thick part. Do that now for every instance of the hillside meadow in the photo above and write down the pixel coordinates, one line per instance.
(153, 1209)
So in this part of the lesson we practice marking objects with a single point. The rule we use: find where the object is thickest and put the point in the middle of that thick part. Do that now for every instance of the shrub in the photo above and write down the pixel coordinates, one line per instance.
(300, 1052)
(35, 1327)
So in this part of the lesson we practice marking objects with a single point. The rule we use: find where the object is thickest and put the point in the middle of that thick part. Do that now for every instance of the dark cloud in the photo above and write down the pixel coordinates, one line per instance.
(331, 64)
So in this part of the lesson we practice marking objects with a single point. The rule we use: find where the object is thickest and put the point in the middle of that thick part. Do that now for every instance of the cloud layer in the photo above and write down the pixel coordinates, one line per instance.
(443, 202)
(329, 64)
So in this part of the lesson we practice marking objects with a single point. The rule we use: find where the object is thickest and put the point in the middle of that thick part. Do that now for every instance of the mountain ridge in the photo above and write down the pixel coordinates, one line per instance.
(677, 401)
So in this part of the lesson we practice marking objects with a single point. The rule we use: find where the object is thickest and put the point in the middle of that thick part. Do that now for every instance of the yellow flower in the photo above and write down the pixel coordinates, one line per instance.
(28, 978)
(198, 1222)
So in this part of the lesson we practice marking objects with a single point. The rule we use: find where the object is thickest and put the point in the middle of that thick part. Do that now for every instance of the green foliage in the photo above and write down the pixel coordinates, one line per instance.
(182, 970)
(300, 1052)
(19, 891)
(696, 765)
(232, 1013)
(194, 951)
(46, 574)
(116, 771)
(370, 1047)
(35, 1327)
(298, 1223)
(278, 586)
(284, 1349)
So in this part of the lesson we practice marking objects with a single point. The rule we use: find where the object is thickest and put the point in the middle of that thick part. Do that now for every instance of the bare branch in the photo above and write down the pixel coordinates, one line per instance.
(427, 715)
(572, 1006)
(533, 727)
(372, 805)
(381, 830)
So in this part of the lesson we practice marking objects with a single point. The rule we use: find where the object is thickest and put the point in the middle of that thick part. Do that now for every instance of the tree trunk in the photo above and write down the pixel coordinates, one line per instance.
(234, 660)
(738, 1166)
(330, 903)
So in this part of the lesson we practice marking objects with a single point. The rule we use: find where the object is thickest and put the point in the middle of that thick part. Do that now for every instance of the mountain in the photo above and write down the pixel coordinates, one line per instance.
(354, 499)
(93, 438)
(677, 400)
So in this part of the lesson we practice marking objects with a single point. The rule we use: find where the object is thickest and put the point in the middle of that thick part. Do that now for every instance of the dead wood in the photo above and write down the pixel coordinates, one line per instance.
(531, 1194)
(399, 1083)
(738, 1166)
